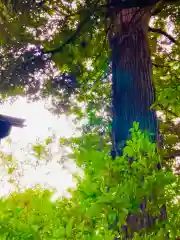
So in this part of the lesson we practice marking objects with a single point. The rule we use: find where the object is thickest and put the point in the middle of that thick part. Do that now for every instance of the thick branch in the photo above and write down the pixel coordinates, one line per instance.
(160, 31)
(16, 122)
(125, 4)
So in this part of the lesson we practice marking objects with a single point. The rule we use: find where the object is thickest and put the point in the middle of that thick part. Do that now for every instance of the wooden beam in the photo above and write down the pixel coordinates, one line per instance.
(15, 122)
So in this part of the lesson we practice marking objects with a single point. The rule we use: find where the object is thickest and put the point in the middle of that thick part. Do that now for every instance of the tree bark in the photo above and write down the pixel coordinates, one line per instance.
(133, 92)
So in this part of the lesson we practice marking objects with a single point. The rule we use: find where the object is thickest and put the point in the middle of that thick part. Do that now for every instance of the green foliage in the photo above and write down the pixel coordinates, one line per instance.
(41, 150)
(104, 197)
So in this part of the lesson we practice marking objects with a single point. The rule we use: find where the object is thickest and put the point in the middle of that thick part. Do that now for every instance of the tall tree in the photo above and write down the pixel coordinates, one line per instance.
(84, 29)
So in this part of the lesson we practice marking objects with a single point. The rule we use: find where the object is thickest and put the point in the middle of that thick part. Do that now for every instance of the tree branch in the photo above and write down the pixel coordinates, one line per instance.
(173, 155)
(16, 122)
(158, 8)
(157, 65)
(167, 110)
(160, 31)
(70, 39)
(160, 65)
(124, 4)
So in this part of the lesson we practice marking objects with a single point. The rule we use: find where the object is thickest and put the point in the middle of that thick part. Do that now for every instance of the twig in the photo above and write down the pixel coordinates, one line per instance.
(167, 110)
(160, 31)
(74, 36)
(160, 65)
(157, 65)
(173, 155)
(70, 39)
(158, 8)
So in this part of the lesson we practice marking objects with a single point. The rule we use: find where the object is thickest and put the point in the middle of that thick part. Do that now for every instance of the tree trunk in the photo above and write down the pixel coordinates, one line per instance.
(132, 88)
(133, 92)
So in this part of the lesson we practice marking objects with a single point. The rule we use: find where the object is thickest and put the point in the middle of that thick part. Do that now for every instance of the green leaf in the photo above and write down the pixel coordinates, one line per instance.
(136, 126)
(128, 151)
(48, 141)
(11, 170)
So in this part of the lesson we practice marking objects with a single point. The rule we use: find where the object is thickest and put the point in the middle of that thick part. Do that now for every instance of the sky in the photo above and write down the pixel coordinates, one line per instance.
(40, 125)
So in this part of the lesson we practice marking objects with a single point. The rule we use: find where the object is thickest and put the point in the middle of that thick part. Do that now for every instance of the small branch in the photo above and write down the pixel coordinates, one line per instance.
(123, 4)
(160, 65)
(157, 65)
(16, 122)
(173, 128)
(160, 31)
(70, 39)
(167, 110)
(173, 155)
(158, 8)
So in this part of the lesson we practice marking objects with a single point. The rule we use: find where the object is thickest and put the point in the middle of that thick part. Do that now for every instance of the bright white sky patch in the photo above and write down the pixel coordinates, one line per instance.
(40, 125)
(40, 122)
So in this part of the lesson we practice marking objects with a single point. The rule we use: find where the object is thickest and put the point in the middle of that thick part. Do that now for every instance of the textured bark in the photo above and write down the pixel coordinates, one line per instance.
(133, 92)
(132, 88)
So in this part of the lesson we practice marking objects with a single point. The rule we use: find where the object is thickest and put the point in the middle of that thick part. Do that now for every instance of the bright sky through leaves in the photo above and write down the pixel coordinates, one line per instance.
(40, 125)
